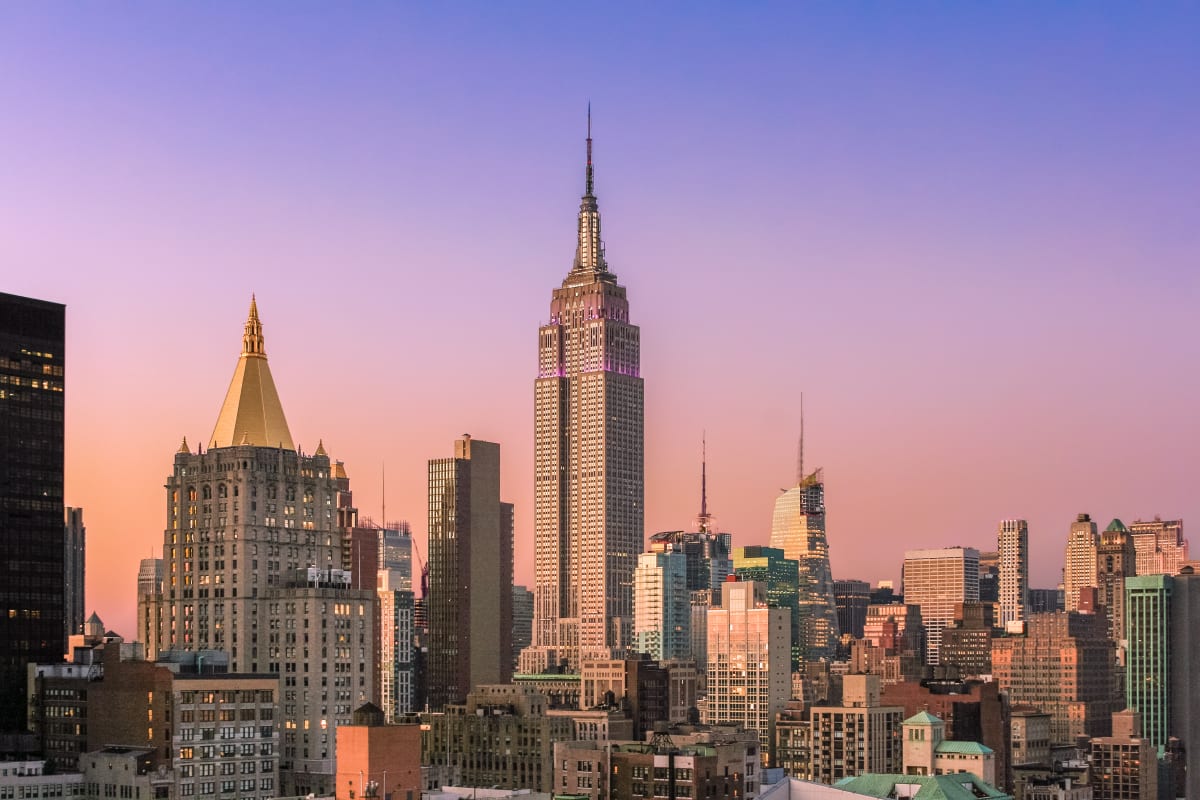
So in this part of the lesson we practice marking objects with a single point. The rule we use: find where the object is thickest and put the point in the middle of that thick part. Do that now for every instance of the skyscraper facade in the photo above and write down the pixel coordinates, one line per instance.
(780, 576)
(1160, 546)
(1079, 566)
(1014, 570)
(149, 605)
(1148, 657)
(393, 587)
(798, 529)
(74, 557)
(254, 566)
(1185, 666)
(1115, 561)
(937, 581)
(470, 573)
(749, 670)
(662, 606)
(588, 459)
(32, 628)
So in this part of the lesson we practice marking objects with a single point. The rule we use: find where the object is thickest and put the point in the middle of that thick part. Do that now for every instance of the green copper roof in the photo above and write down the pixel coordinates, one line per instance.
(964, 748)
(1117, 525)
(960, 786)
(923, 718)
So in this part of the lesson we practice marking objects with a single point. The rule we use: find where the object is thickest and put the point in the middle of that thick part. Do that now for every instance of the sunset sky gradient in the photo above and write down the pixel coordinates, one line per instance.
(969, 233)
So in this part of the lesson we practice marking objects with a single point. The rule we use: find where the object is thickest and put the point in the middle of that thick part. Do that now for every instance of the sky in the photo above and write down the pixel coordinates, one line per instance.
(968, 233)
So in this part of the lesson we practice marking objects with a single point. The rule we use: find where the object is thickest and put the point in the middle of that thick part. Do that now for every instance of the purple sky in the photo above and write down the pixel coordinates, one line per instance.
(969, 234)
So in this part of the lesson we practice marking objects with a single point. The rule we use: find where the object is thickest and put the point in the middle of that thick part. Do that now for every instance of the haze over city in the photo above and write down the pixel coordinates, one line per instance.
(967, 235)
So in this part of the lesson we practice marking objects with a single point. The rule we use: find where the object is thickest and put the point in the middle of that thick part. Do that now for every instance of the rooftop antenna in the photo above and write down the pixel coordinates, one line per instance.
(383, 511)
(590, 180)
(800, 453)
(704, 516)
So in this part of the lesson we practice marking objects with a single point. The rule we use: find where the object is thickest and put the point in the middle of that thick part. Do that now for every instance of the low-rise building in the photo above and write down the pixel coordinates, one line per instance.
(29, 778)
(927, 751)
(126, 772)
(375, 759)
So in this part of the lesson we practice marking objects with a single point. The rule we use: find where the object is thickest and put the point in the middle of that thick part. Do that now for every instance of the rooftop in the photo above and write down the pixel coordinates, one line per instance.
(961, 786)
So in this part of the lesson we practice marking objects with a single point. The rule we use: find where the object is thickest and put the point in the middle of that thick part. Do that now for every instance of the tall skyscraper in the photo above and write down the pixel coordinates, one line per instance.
(1079, 566)
(1148, 658)
(74, 556)
(749, 670)
(470, 573)
(937, 581)
(588, 459)
(852, 598)
(662, 605)
(522, 632)
(1161, 548)
(1014, 570)
(1115, 561)
(1184, 667)
(255, 566)
(798, 529)
(32, 336)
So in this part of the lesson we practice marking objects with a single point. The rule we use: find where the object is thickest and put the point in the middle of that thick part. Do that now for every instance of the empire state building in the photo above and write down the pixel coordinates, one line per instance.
(588, 470)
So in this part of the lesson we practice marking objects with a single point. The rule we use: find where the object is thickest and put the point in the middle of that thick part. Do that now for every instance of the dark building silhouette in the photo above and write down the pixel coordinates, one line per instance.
(33, 625)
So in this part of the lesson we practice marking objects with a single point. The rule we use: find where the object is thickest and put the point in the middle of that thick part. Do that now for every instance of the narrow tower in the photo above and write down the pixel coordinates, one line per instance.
(588, 458)
(798, 529)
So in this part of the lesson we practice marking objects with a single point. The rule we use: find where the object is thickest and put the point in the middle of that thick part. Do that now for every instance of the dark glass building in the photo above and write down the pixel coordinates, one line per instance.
(32, 619)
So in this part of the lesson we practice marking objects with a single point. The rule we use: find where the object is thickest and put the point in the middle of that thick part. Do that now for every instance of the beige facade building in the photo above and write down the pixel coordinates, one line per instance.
(937, 581)
(1160, 546)
(1115, 561)
(1013, 539)
(1064, 664)
(860, 736)
(253, 567)
(149, 605)
(502, 737)
(749, 662)
(928, 752)
(1030, 736)
(588, 460)
(1079, 566)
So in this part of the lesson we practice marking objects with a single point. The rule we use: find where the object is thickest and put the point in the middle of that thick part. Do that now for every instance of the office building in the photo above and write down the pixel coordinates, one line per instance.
(798, 529)
(851, 598)
(74, 552)
(860, 736)
(1148, 657)
(1184, 666)
(470, 573)
(709, 555)
(897, 632)
(33, 627)
(501, 737)
(1064, 664)
(749, 664)
(1160, 546)
(989, 577)
(1115, 561)
(588, 459)
(936, 581)
(522, 630)
(1124, 765)
(967, 642)
(395, 655)
(662, 611)
(1045, 601)
(1013, 539)
(781, 577)
(1079, 566)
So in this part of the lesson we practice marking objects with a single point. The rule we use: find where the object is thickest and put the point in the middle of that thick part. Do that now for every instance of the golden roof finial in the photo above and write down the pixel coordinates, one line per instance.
(320, 448)
(183, 447)
(252, 339)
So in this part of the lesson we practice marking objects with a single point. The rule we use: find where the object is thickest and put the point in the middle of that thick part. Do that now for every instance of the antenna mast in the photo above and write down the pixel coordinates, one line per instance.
(800, 453)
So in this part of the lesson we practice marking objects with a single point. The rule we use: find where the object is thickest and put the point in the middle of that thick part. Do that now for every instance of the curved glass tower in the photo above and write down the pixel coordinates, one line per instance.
(798, 529)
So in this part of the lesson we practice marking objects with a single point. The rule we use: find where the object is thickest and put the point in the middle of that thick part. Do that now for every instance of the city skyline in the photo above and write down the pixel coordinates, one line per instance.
(924, 409)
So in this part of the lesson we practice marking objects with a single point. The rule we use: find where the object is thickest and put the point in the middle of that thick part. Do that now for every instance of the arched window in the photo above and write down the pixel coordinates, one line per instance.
(192, 494)
(207, 492)
(222, 490)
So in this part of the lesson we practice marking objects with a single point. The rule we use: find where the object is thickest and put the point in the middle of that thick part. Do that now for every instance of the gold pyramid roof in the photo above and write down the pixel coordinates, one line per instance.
(252, 413)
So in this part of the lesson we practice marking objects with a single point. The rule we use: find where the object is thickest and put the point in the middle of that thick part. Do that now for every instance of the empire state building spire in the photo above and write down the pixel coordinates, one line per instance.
(589, 253)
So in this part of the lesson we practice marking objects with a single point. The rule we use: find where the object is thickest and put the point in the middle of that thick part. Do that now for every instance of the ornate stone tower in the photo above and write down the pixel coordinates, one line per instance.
(588, 473)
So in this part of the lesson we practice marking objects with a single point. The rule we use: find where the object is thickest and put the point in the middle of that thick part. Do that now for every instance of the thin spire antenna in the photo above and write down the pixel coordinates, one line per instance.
(704, 517)
(383, 477)
(800, 452)
(591, 182)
